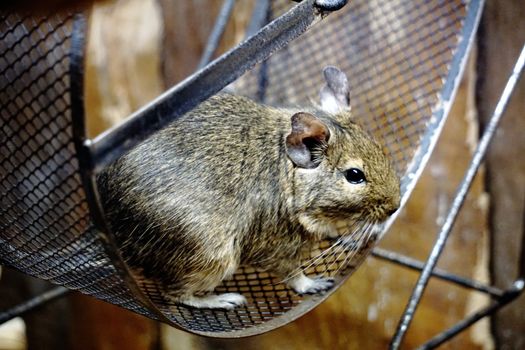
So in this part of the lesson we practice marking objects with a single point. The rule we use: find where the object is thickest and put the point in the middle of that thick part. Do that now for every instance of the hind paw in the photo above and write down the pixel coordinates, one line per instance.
(304, 285)
(226, 301)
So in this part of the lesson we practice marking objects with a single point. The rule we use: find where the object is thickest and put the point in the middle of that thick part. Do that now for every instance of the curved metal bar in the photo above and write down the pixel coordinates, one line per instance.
(84, 159)
(457, 203)
(441, 110)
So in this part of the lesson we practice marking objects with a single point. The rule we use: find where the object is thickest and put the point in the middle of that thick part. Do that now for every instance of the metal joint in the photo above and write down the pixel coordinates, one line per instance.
(330, 5)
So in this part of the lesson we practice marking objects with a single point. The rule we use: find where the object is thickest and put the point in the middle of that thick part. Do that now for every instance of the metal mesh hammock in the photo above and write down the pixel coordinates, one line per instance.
(403, 60)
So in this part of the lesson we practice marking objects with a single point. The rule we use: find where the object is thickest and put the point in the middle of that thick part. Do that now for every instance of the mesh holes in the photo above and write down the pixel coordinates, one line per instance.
(396, 55)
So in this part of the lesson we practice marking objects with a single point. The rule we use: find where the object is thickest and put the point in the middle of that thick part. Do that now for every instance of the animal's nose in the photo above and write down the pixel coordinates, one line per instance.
(391, 211)
(393, 205)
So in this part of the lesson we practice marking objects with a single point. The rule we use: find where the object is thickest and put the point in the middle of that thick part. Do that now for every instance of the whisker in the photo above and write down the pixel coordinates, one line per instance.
(340, 249)
(363, 236)
(357, 234)
(347, 257)
(311, 262)
(360, 233)
(327, 269)
(367, 233)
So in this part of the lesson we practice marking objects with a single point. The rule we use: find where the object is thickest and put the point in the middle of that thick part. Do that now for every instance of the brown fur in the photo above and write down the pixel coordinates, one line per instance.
(217, 189)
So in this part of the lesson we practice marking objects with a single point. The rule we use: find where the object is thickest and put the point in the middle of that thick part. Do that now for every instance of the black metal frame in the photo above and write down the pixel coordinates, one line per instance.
(102, 150)
(86, 165)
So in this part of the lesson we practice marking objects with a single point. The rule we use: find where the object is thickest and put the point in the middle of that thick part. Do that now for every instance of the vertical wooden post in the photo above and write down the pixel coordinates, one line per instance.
(501, 37)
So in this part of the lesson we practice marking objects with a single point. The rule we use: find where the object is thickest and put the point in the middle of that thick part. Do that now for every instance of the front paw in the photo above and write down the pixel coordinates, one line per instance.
(304, 285)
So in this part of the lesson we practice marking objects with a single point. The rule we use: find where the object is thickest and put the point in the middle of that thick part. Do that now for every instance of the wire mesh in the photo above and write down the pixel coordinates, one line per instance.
(397, 56)
(45, 227)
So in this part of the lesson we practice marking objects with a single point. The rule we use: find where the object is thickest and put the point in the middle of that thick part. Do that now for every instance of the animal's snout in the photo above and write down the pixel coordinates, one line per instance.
(390, 206)
(391, 211)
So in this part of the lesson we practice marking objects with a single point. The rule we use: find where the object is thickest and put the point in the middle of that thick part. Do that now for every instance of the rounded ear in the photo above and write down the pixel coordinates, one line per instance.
(335, 95)
(308, 137)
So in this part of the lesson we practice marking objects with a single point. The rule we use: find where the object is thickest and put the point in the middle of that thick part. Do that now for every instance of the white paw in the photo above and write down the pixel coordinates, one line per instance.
(226, 301)
(230, 300)
(304, 285)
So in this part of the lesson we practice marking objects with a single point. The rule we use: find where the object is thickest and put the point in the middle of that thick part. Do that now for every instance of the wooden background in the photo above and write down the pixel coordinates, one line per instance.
(159, 42)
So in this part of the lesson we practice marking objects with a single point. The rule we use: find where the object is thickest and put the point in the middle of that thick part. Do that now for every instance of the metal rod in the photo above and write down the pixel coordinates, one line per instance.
(32, 304)
(262, 75)
(330, 5)
(469, 321)
(521, 267)
(217, 31)
(457, 204)
(259, 17)
(438, 273)
(76, 70)
(180, 99)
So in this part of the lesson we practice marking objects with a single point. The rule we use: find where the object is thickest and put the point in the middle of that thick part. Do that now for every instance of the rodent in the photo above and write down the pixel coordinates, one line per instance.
(237, 182)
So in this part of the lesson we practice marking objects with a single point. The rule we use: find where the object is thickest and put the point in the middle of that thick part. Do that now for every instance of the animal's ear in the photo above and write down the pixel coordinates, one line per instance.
(335, 95)
(306, 141)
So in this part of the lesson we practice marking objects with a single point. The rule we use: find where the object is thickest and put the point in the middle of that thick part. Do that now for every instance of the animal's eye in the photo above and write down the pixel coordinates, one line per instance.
(355, 176)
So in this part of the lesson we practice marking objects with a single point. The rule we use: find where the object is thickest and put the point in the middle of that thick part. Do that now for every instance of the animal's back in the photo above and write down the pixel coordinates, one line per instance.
(237, 182)
(202, 184)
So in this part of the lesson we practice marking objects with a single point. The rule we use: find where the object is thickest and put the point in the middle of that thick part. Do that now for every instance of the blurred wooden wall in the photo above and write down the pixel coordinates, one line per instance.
(137, 48)
(501, 37)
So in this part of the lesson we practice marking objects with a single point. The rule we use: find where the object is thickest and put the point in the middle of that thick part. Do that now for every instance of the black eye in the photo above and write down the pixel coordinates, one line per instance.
(355, 176)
